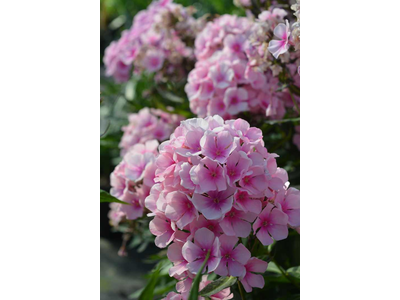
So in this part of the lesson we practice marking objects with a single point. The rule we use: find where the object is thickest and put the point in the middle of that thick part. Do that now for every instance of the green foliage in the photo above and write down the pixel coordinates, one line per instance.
(149, 291)
(106, 197)
(217, 286)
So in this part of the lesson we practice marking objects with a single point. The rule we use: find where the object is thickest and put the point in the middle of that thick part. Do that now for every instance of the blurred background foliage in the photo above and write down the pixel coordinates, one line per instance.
(125, 277)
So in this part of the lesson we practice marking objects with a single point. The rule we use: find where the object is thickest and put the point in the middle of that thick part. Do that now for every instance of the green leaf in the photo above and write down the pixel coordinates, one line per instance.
(194, 291)
(148, 291)
(106, 197)
(294, 272)
(217, 286)
(293, 120)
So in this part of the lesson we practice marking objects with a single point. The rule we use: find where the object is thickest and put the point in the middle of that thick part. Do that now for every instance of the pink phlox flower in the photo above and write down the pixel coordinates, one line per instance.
(241, 129)
(233, 258)
(289, 202)
(206, 89)
(236, 166)
(235, 44)
(208, 175)
(239, 68)
(180, 209)
(221, 75)
(184, 175)
(212, 225)
(115, 214)
(149, 146)
(235, 100)
(191, 145)
(281, 45)
(254, 268)
(151, 200)
(255, 183)
(136, 164)
(237, 223)
(118, 181)
(153, 61)
(214, 205)
(163, 229)
(135, 209)
(217, 146)
(244, 202)
(195, 253)
(174, 254)
(271, 223)
(217, 106)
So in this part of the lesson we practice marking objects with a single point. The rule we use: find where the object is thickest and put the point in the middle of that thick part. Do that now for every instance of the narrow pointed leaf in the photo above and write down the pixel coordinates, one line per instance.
(148, 291)
(217, 286)
(106, 197)
(194, 291)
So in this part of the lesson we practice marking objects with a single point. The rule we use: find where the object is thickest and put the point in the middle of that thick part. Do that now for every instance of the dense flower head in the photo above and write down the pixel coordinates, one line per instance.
(159, 41)
(131, 182)
(216, 183)
(148, 124)
(230, 76)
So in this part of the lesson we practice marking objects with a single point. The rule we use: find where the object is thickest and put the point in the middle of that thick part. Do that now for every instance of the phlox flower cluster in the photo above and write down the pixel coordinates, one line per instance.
(273, 35)
(159, 40)
(148, 124)
(230, 76)
(132, 180)
(216, 183)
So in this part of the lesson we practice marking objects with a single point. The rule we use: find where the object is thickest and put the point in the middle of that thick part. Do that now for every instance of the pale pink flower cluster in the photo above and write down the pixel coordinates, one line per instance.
(148, 124)
(156, 42)
(226, 79)
(132, 180)
(296, 25)
(216, 183)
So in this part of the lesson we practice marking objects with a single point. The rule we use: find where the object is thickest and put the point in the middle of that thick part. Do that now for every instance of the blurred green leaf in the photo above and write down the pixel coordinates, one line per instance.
(106, 197)
(217, 286)
(294, 272)
(148, 291)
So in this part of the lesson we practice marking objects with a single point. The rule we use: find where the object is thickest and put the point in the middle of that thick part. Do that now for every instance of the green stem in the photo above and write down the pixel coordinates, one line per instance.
(285, 274)
(254, 245)
(241, 290)
(194, 291)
